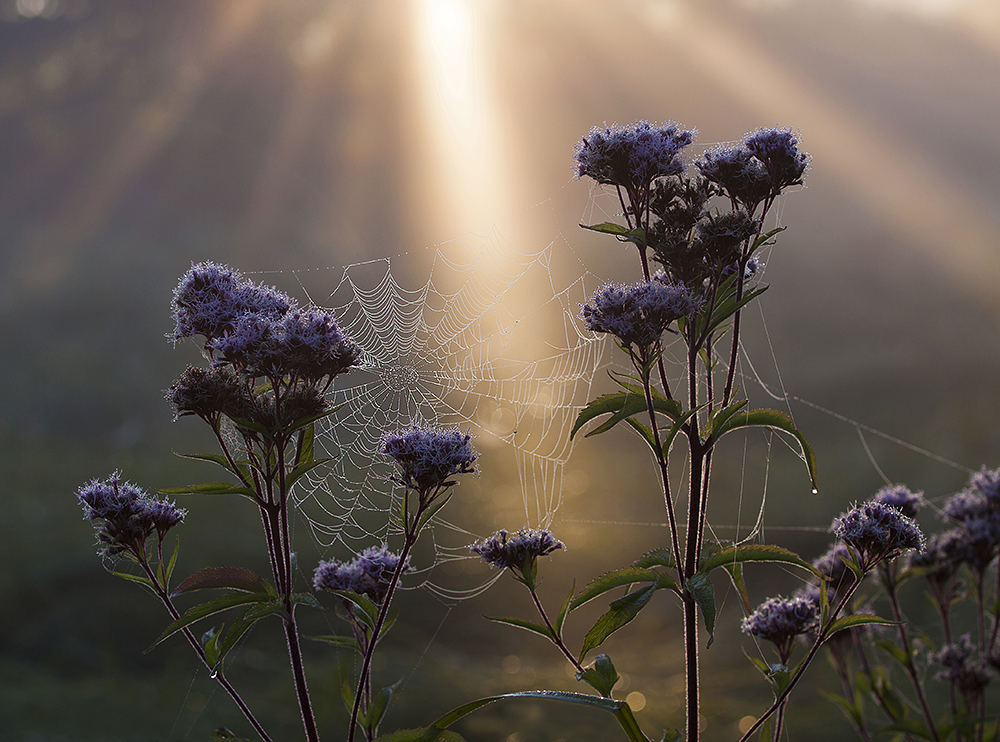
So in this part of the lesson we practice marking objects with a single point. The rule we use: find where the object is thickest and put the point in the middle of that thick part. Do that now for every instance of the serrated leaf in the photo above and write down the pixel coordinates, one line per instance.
(622, 405)
(755, 553)
(243, 623)
(231, 578)
(623, 233)
(722, 415)
(620, 578)
(301, 469)
(646, 433)
(777, 420)
(656, 558)
(700, 587)
(521, 623)
(621, 612)
(210, 608)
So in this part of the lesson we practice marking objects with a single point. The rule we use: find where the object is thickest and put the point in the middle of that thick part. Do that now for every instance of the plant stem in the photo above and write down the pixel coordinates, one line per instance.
(216, 674)
(557, 640)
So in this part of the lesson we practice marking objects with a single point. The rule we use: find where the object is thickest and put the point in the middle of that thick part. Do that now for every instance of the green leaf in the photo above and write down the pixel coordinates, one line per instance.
(621, 578)
(144, 581)
(622, 405)
(338, 641)
(211, 488)
(625, 234)
(306, 599)
(853, 710)
(368, 611)
(561, 618)
(427, 734)
(701, 589)
(210, 643)
(243, 623)
(347, 695)
(646, 433)
(210, 608)
(301, 469)
(172, 562)
(622, 612)
(672, 735)
(911, 726)
(755, 553)
(520, 623)
(722, 415)
(379, 705)
(736, 575)
(215, 458)
(601, 676)
(656, 558)
(232, 578)
(767, 418)
(897, 653)
(856, 619)
(442, 500)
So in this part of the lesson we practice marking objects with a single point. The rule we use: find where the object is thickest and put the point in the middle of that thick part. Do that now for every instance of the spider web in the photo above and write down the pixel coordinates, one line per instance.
(488, 342)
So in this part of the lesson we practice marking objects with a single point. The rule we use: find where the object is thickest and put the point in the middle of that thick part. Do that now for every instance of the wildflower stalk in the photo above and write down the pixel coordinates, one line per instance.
(888, 574)
(555, 638)
(158, 580)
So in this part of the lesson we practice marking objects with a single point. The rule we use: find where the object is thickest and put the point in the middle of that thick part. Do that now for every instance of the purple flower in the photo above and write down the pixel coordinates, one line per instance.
(833, 565)
(779, 620)
(638, 314)
(303, 344)
(429, 457)
(778, 150)
(901, 498)
(209, 393)
(518, 551)
(125, 516)
(987, 482)
(369, 573)
(634, 155)
(970, 676)
(211, 297)
(735, 169)
(877, 532)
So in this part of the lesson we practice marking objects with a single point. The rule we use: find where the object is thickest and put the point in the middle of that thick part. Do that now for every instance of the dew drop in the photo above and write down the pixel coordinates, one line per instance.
(815, 491)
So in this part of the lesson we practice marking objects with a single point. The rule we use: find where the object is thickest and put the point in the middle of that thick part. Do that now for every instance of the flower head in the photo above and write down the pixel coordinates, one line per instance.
(211, 297)
(518, 551)
(735, 169)
(969, 675)
(428, 458)
(125, 516)
(901, 498)
(369, 573)
(833, 564)
(637, 314)
(779, 620)
(632, 155)
(877, 532)
(208, 393)
(778, 150)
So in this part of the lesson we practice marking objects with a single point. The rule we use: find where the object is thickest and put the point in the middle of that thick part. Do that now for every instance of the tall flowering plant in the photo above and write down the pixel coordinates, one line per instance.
(268, 366)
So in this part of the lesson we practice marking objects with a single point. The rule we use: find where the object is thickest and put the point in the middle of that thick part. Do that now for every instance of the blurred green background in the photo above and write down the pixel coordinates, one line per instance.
(290, 135)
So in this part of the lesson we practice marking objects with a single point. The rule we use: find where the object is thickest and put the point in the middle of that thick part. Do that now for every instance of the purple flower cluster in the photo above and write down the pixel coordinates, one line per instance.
(833, 564)
(428, 458)
(211, 297)
(634, 155)
(257, 328)
(637, 314)
(125, 516)
(877, 532)
(305, 344)
(976, 511)
(368, 574)
(901, 498)
(764, 163)
(779, 620)
(517, 551)
(970, 676)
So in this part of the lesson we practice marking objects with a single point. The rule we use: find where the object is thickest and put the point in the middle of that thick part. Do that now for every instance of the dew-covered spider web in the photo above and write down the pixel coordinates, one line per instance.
(484, 335)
